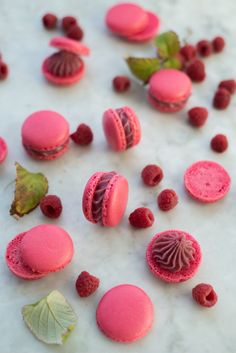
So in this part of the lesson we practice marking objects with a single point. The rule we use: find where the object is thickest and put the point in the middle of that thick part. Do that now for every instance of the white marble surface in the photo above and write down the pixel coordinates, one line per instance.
(118, 255)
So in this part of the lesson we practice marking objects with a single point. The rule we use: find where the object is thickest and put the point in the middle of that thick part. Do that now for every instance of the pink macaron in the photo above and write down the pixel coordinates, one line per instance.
(207, 181)
(105, 198)
(132, 22)
(173, 256)
(39, 251)
(65, 67)
(169, 90)
(45, 135)
(122, 128)
(125, 313)
(3, 150)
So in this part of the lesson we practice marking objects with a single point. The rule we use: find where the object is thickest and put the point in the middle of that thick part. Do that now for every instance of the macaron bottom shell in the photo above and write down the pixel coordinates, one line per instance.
(46, 154)
(166, 107)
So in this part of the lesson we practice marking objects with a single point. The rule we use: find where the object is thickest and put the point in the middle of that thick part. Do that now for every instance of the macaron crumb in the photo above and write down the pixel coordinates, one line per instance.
(142, 217)
(152, 175)
(167, 200)
(83, 135)
(121, 83)
(51, 206)
(205, 295)
(219, 143)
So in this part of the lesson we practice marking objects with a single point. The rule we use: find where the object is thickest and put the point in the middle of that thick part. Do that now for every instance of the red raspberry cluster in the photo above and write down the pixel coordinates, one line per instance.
(222, 97)
(86, 284)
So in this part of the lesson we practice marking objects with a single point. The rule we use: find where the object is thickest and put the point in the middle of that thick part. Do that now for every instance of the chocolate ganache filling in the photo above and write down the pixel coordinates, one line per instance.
(173, 252)
(45, 153)
(126, 126)
(99, 196)
(63, 64)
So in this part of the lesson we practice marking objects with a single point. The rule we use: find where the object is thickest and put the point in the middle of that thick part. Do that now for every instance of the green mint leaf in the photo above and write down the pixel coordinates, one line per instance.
(167, 44)
(30, 188)
(51, 319)
(143, 68)
(173, 63)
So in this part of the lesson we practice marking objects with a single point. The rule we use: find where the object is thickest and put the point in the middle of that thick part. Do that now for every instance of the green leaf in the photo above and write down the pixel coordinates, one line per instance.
(51, 319)
(143, 68)
(30, 188)
(167, 45)
(173, 63)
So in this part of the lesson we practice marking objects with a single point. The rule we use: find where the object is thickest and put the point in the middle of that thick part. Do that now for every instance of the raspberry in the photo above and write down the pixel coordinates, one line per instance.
(230, 85)
(51, 206)
(83, 135)
(142, 217)
(121, 83)
(188, 51)
(167, 199)
(204, 48)
(221, 98)
(196, 71)
(75, 32)
(49, 21)
(86, 284)
(3, 70)
(197, 116)
(219, 143)
(152, 175)
(218, 44)
(67, 22)
(204, 295)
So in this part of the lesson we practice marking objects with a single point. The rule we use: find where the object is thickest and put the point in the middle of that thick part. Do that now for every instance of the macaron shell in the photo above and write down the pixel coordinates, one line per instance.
(125, 313)
(70, 45)
(150, 31)
(115, 201)
(166, 108)
(15, 262)
(51, 156)
(3, 150)
(126, 19)
(174, 277)
(113, 130)
(135, 125)
(207, 181)
(46, 248)
(63, 81)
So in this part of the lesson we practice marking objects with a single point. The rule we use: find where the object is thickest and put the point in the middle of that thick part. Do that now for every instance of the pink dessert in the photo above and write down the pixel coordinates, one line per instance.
(65, 67)
(43, 249)
(169, 90)
(149, 32)
(45, 135)
(122, 128)
(173, 256)
(207, 181)
(125, 313)
(105, 198)
(3, 150)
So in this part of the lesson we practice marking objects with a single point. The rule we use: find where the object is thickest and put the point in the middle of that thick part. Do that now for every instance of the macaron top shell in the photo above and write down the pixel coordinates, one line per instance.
(149, 31)
(46, 248)
(71, 45)
(170, 85)
(45, 130)
(125, 313)
(3, 150)
(126, 19)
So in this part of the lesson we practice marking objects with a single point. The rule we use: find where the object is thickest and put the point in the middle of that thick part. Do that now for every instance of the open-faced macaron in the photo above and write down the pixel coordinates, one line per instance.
(65, 67)
(45, 135)
(173, 256)
(41, 250)
(3, 150)
(125, 313)
(122, 128)
(105, 198)
(169, 90)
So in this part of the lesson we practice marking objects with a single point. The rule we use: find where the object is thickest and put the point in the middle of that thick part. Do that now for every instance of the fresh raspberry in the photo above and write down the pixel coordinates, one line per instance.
(167, 199)
(67, 22)
(51, 206)
(152, 175)
(86, 284)
(83, 135)
(121, 83)
(204, 48)
(204, 295)
(188, 51)
(49, 21)
(142, 217)
(3, 70)
(221, 98)
(219, 143)
(75, 32)
(230, 85)
(218, 44)
(196, 71)
(197, 116)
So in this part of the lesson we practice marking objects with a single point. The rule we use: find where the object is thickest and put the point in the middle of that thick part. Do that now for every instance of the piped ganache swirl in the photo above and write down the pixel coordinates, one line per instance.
(173, 252)
(129, 136)
(63, 64)
(99, 195)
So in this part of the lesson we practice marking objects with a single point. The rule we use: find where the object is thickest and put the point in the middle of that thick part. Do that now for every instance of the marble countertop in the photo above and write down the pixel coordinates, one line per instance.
(118, 255)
